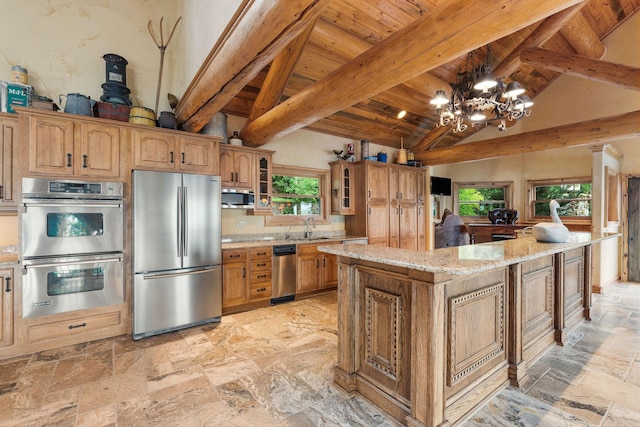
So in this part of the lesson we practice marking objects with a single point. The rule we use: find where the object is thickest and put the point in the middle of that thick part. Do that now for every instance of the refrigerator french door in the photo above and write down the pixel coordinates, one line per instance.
(177, 270)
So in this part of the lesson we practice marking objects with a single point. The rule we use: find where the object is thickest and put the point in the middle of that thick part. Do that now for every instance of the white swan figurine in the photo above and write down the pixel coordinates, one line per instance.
(551, 232)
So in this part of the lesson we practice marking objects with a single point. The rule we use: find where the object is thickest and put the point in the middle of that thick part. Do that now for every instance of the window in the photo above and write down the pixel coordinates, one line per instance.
(473, 201)
(573, 194)
(298, 194)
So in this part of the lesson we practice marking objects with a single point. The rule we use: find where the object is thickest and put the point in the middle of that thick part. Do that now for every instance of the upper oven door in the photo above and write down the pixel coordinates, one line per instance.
(63, 227)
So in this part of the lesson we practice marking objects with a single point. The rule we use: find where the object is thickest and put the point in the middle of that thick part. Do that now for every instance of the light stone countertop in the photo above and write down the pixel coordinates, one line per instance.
(468, 259)
(8, 256)
(268, 241)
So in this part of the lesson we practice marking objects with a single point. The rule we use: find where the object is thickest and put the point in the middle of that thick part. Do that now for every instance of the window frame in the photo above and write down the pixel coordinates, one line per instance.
(531, 184)
(508, 197)
(323, 177)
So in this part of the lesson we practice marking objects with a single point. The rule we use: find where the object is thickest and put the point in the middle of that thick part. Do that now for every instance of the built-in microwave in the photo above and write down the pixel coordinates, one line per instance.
(237, 198)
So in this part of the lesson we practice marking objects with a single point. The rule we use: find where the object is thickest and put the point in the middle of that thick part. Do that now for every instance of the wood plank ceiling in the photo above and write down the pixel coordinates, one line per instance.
(347, 67)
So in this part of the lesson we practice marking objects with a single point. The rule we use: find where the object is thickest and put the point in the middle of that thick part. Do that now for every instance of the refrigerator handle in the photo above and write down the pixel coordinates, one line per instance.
(179, 224)
(185, 234)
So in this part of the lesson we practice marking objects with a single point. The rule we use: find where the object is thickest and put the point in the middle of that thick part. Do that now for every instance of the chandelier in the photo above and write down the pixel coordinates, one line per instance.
(478, 98)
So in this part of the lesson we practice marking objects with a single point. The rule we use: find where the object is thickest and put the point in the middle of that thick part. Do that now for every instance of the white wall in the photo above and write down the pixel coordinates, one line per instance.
(61, 44)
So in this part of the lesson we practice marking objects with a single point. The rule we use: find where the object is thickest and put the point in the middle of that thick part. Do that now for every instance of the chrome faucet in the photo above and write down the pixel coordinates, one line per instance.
(307, 231)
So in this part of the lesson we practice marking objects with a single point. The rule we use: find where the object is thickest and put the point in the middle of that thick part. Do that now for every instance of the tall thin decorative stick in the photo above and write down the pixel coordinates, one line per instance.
(163, 47)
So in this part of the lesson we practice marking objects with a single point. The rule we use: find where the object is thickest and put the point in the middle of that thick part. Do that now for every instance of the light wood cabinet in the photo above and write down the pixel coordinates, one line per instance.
(389, 205)
(165, 150)
(235, 289)
(75, 330)
(377, 181)
(342, 188)
(260, 286)
(316, 270)
(237, 167)
(6, 307)
(246, 275)
(8, 140)
(60, 144)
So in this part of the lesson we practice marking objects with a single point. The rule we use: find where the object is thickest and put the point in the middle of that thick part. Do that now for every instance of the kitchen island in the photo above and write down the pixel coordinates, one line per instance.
(430, 336)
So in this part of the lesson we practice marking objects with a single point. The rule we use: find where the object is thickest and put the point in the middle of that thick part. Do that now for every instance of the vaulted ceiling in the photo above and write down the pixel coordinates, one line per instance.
(347, 67)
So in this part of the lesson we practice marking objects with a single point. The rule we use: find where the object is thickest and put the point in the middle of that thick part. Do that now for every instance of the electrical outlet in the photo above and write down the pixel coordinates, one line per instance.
(240, 224)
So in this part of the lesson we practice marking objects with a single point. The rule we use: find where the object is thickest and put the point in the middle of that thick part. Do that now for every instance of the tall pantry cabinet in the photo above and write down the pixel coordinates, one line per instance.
(389, 205)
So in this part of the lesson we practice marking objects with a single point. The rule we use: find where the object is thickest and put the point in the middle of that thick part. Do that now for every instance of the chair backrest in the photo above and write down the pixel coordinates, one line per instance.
(451, 231)
(503, 216)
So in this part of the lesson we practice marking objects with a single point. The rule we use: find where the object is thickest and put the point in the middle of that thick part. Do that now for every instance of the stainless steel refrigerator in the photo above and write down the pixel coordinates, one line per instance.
(177, 272)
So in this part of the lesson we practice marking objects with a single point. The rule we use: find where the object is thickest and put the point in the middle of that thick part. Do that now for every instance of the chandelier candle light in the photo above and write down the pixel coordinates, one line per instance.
(477, 97)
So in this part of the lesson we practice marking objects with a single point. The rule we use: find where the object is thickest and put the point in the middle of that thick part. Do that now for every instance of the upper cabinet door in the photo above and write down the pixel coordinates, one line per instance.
(51, 145)
(377, 182)
(244, 169)
(8, 144)
(407, 185)
(98, 150)
(154, 150)
(199, 155)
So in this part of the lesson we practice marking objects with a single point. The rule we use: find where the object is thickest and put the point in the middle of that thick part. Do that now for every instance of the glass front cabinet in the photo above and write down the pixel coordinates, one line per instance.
(342, 188)
(263, 184)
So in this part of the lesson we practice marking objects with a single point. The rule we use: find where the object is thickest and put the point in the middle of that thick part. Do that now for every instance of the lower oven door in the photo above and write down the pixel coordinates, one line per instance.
(52, 228)
(54, 286)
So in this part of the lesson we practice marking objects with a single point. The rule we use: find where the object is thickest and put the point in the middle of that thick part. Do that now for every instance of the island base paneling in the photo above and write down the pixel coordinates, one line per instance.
(430, 346)
(410, 350)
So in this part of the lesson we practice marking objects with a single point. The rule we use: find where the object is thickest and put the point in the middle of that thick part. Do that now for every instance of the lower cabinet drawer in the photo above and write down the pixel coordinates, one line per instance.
(72, 327)
(260, 276)
(261, 264)
(260, 291)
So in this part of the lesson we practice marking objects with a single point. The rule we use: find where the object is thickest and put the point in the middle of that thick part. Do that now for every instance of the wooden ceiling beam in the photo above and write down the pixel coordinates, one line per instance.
(581, 36)
(279, 73)
(619, 75)
(428, 42)
(256, 34)
(591, 132)
(430, 141)
(547, 29)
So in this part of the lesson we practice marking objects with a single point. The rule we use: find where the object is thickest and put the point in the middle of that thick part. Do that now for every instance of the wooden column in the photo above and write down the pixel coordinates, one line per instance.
(427, 355)
(517, 364)
(559, 321)
(344, 374)
(587, 283)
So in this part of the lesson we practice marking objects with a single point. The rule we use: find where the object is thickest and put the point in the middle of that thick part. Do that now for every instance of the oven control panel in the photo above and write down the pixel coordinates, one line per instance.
(74, 187)
(42, 188)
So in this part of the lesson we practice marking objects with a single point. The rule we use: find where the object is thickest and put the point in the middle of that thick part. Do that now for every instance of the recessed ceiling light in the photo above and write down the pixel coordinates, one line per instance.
(401, 114)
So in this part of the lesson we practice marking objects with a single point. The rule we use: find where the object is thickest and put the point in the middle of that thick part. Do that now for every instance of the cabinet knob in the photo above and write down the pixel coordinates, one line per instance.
(7, 281)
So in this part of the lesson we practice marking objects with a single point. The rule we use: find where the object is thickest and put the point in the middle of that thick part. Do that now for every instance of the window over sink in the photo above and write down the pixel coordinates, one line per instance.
(298, 194)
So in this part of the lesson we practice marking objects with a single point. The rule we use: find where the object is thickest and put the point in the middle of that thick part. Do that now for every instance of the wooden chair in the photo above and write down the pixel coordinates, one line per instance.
(451, 231)
(503, 216)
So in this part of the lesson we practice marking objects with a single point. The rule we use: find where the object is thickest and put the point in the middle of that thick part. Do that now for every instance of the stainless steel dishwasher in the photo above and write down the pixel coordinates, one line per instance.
(284, 274)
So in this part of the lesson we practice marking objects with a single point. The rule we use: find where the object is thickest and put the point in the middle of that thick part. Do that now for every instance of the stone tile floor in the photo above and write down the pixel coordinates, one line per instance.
(273, 367)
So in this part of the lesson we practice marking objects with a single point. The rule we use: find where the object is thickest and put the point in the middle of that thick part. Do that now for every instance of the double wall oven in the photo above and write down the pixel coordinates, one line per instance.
(72, 240)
